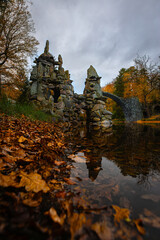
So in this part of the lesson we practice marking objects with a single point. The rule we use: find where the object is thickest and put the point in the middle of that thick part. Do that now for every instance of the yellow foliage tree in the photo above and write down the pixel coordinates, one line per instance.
(16, 42)
(141, 80)
(109, 103)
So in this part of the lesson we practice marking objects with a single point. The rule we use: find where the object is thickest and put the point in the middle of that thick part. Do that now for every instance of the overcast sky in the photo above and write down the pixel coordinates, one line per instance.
(107, 34)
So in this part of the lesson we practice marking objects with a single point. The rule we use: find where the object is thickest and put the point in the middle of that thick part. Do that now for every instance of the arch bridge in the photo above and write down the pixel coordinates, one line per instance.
(131, 107)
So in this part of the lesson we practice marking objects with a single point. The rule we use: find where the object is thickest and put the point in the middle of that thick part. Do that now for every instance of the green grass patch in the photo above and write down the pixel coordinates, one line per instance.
(18, 109)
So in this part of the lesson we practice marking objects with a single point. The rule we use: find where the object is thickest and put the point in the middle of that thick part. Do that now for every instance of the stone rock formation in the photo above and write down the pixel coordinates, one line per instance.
(95, 101)
(51, 87)
(51, 90)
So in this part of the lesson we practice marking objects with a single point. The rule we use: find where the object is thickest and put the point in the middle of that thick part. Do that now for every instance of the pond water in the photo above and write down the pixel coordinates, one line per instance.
(120, 167)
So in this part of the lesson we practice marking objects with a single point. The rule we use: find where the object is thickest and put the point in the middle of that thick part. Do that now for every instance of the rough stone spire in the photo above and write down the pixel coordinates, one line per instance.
(46, 50)
(91, 72)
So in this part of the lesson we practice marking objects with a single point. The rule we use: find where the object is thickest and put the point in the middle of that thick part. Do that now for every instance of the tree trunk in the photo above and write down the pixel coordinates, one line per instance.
(146, 107)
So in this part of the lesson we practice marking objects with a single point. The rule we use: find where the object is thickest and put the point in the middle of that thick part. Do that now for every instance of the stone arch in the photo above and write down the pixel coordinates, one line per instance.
(131, 107)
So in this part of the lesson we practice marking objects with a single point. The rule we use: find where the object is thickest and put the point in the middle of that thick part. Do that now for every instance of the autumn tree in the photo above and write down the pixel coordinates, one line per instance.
(141, 80)
(109, 102)
(148, 79)
(17, 42)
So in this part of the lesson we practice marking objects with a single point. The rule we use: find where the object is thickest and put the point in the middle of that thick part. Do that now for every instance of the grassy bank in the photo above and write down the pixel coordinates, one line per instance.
(18, 109)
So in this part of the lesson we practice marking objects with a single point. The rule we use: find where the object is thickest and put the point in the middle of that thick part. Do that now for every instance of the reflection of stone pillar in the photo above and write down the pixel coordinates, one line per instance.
(93, 165)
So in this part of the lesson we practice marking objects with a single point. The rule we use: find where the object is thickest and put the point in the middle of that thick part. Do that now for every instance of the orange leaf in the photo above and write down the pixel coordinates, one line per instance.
(69, 181)
(121, 213)
(139, 225)
(33, 182)
(58, 163)
(50, 144)
(22, 139)
(30, 199)
(61, 194)
(8, 180)
(54, 216)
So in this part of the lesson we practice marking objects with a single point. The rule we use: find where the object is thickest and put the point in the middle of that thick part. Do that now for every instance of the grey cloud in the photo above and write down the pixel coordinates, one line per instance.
(105, 33)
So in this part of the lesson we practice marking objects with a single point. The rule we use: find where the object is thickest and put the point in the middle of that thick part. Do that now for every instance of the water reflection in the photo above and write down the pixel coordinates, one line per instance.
(133, 148)
(119, 167)
(93, 165)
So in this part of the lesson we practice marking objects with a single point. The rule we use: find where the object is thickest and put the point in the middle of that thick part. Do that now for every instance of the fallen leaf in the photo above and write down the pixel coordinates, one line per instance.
(22, 139)
(139, 225)
(6, 149)
(20, 153)
(121, 213)
(50, 144)
(76, 222)
(33, 182)
(61, 194)
(54, 181)
(77, 159)
(30, 199)
(58, 163)
(8, 180)
(54, 216)
(103, 230)
(69, 181)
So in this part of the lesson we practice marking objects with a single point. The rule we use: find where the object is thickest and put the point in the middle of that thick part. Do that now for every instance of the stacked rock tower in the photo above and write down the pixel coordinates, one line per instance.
(51, 90)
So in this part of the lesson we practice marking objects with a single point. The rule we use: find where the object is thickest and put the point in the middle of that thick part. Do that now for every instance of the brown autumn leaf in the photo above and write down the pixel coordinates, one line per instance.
(54, 181)
(10, 159)
(103, 229)
(30, 199)
(3, 164)
(139, 225)
(76, 221)
(50, 144)
(22, 139)
(69, 181)
(33, 182)
(6, 150)
(61, 194)
(8, 180)
(58, 163)
(121, 214)
(78, 159)
(54, 216)
(20, 153)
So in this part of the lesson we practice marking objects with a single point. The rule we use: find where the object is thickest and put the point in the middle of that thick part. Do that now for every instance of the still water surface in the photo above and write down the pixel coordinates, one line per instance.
(120, 167)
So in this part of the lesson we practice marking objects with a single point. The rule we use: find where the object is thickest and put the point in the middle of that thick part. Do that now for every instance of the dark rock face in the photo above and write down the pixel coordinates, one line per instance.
(51, 90)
